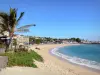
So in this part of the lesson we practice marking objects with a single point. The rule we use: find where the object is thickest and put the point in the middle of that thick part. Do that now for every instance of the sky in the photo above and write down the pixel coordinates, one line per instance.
(59, 18)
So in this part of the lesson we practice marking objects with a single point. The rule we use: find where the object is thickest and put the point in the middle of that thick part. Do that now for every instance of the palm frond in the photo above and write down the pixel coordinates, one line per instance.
(4, 15)
(13, 12)
(4, 18)
(26, 26)
(10, 21)
(22, 30)
(12, 17)
(20, 17)
(3, 28)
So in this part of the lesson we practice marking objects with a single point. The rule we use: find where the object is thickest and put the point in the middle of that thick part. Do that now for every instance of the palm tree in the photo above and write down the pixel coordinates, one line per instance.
(9, 22)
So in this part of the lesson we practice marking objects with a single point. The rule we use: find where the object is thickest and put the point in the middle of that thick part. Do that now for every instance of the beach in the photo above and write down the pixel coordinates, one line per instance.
(52, 65)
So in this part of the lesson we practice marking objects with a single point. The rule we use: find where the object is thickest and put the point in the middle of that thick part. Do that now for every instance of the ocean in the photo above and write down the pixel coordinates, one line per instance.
(86, 54)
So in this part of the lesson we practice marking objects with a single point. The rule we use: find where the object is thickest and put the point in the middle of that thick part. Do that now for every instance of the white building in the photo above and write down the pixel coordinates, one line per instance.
(5, 33)
(22, 40)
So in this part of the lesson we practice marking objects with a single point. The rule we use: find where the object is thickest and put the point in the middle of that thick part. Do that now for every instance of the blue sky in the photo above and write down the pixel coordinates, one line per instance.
(59, 18)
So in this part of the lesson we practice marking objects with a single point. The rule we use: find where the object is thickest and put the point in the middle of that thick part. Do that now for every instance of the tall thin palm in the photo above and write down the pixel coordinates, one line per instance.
(9, 22)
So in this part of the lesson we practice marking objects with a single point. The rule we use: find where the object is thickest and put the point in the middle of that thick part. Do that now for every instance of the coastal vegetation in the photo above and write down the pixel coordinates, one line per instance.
(76, 39)
(22, 58)
(16, 56)
(45, 40)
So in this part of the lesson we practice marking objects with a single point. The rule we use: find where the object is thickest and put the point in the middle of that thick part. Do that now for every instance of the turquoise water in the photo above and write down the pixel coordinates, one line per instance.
(87, 54)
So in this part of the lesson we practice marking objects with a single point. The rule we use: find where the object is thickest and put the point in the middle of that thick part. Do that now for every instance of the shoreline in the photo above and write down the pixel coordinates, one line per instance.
(64, 58)
(65, 66)
(51, 65)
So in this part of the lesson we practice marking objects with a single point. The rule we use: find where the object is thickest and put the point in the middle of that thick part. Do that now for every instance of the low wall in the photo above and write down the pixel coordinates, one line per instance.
(3, 61)
(2, 50)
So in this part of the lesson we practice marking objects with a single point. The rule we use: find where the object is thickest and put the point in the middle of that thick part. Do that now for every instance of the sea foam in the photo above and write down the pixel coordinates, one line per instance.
(76, 60)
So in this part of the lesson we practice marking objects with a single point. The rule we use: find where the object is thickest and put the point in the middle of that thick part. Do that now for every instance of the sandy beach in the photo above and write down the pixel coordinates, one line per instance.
(51, 65)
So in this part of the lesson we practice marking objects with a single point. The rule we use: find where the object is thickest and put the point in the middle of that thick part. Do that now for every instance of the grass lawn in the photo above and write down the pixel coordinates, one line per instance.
(22, 58)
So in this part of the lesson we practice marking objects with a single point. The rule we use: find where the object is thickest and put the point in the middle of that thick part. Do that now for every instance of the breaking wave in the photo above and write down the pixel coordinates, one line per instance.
(76, 60)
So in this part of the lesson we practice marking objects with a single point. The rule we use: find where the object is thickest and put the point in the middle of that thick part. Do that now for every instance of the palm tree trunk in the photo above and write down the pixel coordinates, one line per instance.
(10, 41)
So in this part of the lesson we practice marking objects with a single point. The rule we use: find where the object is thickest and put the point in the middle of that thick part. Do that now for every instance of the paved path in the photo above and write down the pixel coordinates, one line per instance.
(24, 71)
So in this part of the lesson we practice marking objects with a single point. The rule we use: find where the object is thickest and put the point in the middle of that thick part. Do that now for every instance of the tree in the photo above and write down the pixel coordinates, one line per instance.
(38, 41)
(31, 40)
(78, 40)
(9, 22)
(73, 39)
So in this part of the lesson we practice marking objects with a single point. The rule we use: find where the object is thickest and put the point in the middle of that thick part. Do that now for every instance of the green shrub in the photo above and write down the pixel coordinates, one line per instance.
(23, 58)
(36, 56)
(21, 50)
